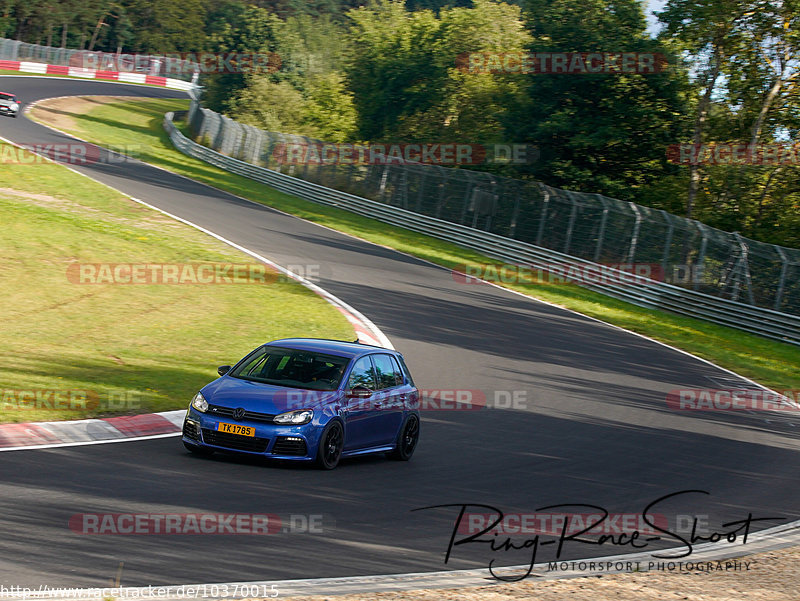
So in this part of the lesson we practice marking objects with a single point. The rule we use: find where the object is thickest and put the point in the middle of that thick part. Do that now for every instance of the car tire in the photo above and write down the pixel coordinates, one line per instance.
(331, 443)
(199, 451)
(407, 439)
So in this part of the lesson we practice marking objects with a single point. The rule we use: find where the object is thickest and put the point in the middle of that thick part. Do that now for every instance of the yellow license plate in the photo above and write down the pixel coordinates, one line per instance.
(236, 429)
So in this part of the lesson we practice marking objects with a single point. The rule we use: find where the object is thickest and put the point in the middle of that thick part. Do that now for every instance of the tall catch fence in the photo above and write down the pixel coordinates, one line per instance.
(154, 65)
(684, 252)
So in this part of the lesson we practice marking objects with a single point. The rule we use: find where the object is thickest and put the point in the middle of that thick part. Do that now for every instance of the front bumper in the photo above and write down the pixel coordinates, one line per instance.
(294, 443)
(9, 110)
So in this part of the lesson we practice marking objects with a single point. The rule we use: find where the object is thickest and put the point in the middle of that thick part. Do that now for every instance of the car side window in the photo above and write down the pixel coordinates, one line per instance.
(254, 363)
(362, 375)
(387, 371)
(407, 373)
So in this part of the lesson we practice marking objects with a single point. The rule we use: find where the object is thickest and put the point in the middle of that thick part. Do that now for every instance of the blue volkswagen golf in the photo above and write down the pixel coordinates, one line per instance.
(309, 400)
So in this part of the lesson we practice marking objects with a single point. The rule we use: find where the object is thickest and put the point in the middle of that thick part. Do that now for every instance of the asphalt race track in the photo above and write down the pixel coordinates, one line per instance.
(594, 428)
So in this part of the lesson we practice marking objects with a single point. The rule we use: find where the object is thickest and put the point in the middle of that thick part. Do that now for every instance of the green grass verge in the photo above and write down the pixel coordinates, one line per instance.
(138, 123)
(138, 348)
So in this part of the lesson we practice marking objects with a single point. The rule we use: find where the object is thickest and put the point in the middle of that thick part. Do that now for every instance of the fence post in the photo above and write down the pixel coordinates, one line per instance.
(635, 235)
(601, 234)
(305, 145)
(571, 224)
(744, 266)
(782, 283)
(384, 177)
(440, 203)
(470, 186)
(403, 185)
(667, 243)
(279, 163)
(418, 208)
(512, 230)
(543, 216)
(701, 258)
(488, 222)
(350, 172)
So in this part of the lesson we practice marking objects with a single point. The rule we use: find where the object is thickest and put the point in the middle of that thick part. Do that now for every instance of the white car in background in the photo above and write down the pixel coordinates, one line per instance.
(9, 105)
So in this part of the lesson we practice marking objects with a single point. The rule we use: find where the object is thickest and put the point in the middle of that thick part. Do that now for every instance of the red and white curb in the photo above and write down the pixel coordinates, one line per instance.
(140, 78)
(46, 435)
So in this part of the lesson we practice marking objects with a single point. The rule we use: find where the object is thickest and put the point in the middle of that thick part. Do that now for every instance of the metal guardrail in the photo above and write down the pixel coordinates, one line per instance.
(597, 228)
(650, 293)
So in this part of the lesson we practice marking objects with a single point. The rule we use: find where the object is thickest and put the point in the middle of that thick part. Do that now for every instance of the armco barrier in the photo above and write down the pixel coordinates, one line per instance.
(652, 294)
(589, 226)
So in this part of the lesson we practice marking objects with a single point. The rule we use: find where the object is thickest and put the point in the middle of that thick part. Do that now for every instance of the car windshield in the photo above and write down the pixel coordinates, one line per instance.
(4, 96)
(292, 368)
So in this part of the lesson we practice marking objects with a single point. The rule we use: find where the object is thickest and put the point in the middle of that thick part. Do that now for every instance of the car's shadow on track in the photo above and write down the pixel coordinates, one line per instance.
(286, 464)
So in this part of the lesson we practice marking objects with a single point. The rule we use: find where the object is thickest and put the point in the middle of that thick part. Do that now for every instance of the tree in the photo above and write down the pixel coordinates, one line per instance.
(408, 80)
(330, 113)
(234, 27)
(599, 132)
(746, 56)
(390, 72)
(167, 25)
(271, 106)
(708, 32)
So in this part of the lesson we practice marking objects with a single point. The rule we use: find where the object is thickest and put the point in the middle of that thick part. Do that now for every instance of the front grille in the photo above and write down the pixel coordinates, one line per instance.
(283, 446)
(254, 416)
(190, 430)
(235, 441)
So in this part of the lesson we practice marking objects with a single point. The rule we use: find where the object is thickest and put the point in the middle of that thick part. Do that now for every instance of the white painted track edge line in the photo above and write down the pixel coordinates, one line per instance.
(86, 443)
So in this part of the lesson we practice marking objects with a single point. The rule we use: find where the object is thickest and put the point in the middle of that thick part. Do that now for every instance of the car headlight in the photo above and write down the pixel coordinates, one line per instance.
(295, 418)
(199, 402)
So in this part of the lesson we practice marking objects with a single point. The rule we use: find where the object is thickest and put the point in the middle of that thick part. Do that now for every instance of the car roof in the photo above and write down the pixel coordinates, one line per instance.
(335, 347)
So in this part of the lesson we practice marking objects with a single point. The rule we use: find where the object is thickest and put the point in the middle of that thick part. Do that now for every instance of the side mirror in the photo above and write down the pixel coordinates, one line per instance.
(359, 392)
(223, 369)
